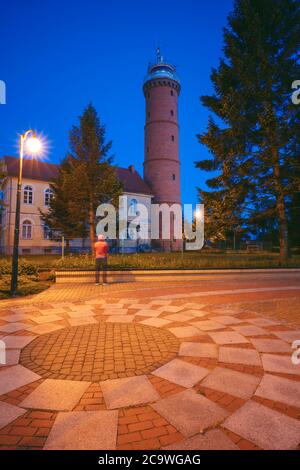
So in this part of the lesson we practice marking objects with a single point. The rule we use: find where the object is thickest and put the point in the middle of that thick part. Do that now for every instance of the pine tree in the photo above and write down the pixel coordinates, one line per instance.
(254, 139)
(94, 177)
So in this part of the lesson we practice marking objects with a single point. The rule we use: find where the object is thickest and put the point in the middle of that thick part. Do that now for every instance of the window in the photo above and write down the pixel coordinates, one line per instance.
(133, 207)
(148, 95)
(47, 232)
(172, 92)
(172, 138)
(174, 177)
(26, 230)
(26, 251)
(48, 195)
(28, 195)
(172, 112)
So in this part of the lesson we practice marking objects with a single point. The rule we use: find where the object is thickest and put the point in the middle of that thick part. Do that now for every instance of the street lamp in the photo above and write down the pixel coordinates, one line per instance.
(33, 146)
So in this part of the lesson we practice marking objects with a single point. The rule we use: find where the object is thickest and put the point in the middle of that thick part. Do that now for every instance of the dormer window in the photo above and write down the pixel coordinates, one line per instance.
(28, 195)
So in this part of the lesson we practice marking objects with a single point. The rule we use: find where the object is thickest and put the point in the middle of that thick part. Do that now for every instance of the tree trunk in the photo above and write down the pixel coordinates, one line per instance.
(281, 213)
(92, 228)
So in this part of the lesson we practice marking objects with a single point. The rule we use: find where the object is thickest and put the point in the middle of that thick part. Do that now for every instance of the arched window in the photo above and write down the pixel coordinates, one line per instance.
(133, 207)
(28, 195)
(48, 195)
(26, 230)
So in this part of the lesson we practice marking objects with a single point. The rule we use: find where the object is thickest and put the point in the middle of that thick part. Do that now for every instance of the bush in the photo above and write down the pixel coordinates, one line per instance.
(24, 268)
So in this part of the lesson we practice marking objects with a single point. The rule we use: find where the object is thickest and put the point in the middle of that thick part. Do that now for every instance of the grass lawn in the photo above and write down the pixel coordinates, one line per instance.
(32, 279)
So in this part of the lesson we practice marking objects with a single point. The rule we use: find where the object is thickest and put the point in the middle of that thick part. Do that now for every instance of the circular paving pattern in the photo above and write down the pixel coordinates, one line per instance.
(100, 351)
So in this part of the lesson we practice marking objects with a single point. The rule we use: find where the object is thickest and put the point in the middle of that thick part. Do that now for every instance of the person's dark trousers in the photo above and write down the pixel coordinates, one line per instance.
(101, 265)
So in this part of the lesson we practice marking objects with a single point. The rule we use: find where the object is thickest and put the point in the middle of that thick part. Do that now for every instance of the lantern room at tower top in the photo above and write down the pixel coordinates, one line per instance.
(161, 70)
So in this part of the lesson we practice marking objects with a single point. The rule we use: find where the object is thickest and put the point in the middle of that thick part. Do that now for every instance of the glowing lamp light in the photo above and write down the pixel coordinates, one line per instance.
(33, 146)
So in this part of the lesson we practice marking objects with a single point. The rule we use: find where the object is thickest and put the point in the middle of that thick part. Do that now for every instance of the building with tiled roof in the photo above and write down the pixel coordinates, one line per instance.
(35, 238)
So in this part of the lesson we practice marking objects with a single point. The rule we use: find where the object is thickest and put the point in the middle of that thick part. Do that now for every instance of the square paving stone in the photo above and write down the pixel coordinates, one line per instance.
(211, 440)
(114, 311)
(194, 305)
(232, 382)
(228, 337)
(196, 313)
(44, 329)
(170, 308)
(250, 330)
(288, 336)
(13, 327)
(9, 413)
(45, 319)
(129, 391)
(17, 342)
(185, 331)
(61, 395)
(82, 321)
(271, 345)
(199, 350)
(189, 412)
(16, 377)
(181, 373)
(233, 355)
(226, 320)
(12, 357)
(120, 319)
(281, 364)
(262, 322)
(279, 389)
(181, 317)
(16, 317)
(158, 322)
(148, 313)
(208, 325)
(264, 427)
(84, 430)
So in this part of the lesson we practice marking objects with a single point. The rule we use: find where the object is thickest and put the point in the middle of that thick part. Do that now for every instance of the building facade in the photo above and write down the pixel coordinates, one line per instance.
(35, 237)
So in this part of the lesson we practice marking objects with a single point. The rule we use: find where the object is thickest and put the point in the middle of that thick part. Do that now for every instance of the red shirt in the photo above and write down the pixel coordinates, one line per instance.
(101, 249)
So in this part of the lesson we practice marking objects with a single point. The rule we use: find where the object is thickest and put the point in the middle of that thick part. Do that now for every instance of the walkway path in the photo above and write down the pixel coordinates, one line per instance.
(150, 366)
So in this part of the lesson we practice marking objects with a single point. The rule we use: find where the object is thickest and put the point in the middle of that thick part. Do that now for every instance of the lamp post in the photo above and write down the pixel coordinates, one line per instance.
(33, 145)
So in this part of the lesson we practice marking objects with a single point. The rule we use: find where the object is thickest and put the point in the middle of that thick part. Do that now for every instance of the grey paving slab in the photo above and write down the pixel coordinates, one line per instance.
(208, 325)
(271, 345)
(16, 317)
(189, 412)
(281, 364)
(266, 428)
(181, 373)
(157, 322)
(61, 395)
(129, 391)
(237, 384)
(194, 349)
(280, 390)
(17, 342)
(250, 330)
(196, 313)
(228, 337)
(170, 308)
(211, 440)
(226, 320)
(114, 311)
(260, 321)
(233, 355)
(82, 321)
(15, 377)
(84, 430)
(179, 317)
(185, 331)
(288, 336)
(45, 319)
(8, 413)
(148, 313)
(14, 327)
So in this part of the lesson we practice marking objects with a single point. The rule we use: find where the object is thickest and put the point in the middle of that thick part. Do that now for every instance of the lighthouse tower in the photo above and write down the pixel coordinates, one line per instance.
(161, 162)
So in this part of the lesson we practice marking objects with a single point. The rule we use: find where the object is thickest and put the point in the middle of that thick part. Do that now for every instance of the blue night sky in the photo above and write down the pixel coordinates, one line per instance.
(56, 57)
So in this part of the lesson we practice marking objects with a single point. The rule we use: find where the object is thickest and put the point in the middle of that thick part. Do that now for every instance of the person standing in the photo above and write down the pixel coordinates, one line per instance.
(101, 250)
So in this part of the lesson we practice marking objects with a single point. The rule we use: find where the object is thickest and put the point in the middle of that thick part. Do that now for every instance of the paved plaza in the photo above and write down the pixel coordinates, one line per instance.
(150, 366)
